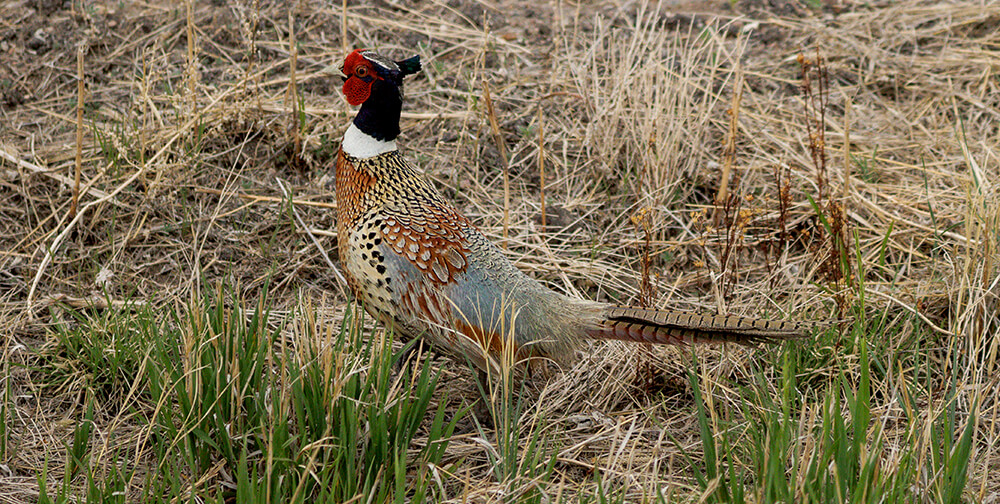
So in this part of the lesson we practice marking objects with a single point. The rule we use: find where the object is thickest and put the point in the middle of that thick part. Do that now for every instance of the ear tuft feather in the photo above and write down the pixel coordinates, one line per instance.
(409, 65)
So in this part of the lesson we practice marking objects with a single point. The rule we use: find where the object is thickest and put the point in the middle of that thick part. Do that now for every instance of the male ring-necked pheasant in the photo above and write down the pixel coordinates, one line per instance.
(424, 270)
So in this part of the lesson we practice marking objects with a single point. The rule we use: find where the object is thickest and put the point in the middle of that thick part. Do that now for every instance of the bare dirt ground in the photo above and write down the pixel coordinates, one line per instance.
(200, 123)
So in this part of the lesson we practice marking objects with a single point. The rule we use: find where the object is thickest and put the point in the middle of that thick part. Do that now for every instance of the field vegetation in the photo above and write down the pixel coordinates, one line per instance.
(173, 327)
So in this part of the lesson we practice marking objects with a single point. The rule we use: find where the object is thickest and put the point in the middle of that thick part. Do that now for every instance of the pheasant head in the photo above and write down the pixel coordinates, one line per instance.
(376, 83)
(365, 69)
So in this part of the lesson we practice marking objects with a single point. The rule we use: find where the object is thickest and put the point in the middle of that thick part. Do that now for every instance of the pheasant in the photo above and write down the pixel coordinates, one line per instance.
(423, 270)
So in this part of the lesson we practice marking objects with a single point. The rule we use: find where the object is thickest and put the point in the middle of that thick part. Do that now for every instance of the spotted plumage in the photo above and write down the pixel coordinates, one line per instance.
(424, 270)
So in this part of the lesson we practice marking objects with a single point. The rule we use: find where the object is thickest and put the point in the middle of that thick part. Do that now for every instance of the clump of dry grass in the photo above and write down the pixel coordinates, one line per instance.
(195, 116)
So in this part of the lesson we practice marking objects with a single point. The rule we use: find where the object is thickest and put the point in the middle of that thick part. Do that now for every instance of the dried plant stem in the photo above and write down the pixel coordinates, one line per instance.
(541, 166)
(643, 222)
(345, 47)
(293, 93)
(80, 96)
(847, 147)
(491, 113)
(192, 62)
(835, 266)
(144, 84)
(981, 317)
(816, 100)
(778, 245)
(252, 49)
(730, 149)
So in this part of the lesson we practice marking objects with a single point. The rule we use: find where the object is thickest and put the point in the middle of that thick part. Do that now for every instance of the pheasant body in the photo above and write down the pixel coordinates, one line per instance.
(424, 270)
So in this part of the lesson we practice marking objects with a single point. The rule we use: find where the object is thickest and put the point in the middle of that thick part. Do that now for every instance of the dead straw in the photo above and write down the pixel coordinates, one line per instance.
(502, 148)
(80, 97)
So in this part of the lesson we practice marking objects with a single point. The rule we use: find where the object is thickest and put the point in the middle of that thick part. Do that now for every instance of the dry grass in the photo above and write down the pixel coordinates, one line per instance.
(191, 120)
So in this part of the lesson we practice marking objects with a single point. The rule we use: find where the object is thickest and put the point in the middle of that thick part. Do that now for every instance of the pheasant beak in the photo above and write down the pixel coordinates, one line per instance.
(336, 70)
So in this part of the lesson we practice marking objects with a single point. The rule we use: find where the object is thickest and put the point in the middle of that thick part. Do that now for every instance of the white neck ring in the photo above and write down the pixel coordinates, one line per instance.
(359, 144)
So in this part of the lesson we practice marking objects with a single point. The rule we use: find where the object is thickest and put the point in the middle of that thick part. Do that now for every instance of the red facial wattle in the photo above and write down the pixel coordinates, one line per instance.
(357, 88)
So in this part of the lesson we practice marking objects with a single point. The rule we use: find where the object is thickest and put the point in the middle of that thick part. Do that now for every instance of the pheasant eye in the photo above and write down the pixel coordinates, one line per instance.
(361, 71)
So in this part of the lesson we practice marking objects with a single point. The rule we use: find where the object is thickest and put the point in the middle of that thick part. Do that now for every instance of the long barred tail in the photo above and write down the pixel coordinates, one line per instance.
(682, 328)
